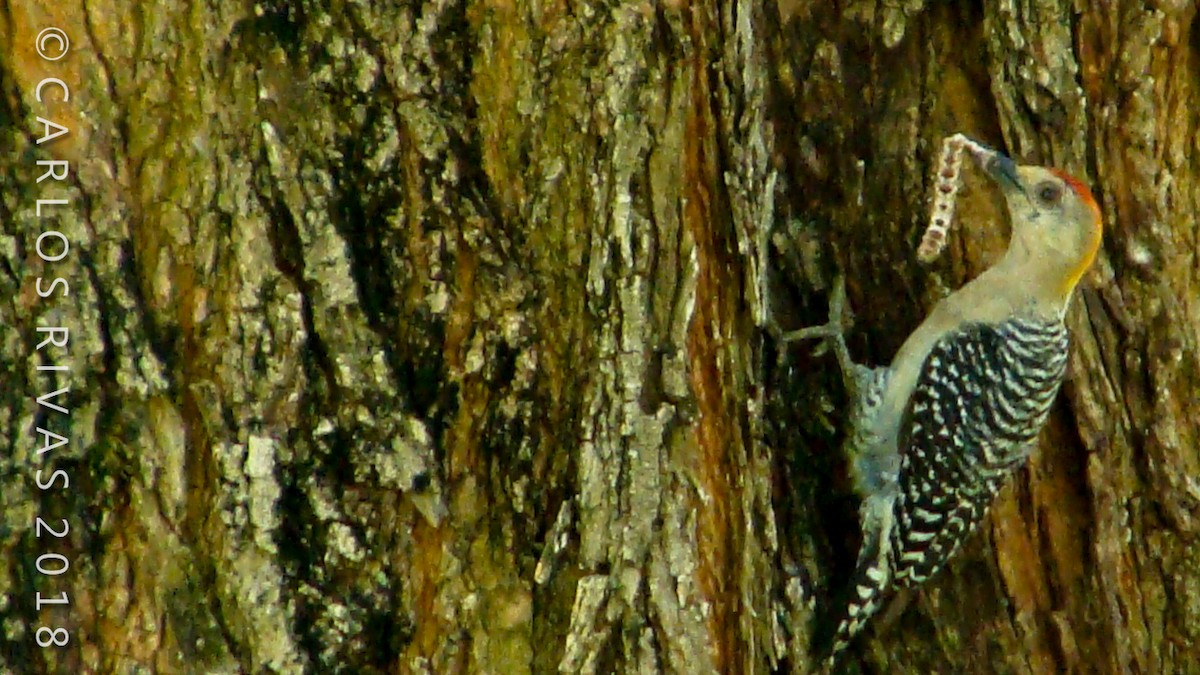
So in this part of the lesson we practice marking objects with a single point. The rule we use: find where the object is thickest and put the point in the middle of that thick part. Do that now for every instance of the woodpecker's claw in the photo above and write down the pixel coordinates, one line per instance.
(832, 332)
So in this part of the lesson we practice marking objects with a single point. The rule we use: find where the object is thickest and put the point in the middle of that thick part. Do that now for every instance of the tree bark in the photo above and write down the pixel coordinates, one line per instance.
(430, 337)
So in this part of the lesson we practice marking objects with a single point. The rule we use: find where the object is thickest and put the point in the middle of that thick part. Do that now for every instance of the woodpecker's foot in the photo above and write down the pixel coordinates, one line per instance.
(833, 332)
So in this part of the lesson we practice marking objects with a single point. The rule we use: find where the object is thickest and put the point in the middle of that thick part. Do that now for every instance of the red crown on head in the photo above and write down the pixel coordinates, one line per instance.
(1080, 188)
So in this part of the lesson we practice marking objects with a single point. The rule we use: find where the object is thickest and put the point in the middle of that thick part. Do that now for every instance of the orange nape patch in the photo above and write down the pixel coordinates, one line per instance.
(1089, 254)
(1080, 189)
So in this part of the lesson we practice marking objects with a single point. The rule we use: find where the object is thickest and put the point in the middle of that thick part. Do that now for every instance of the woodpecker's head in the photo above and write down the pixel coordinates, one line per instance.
(1056, 226)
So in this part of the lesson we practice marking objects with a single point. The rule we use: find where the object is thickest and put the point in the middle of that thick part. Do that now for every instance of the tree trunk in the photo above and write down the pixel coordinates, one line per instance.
(430, 337)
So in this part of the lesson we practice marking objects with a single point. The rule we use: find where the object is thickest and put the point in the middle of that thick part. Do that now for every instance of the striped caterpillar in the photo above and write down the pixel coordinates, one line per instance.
(946, 184)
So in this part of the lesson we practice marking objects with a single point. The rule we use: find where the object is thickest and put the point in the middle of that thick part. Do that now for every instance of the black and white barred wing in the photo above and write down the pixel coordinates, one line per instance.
(980, 401)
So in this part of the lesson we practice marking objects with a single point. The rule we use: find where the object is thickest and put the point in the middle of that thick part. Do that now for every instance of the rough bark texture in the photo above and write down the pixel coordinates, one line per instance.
(428, 337)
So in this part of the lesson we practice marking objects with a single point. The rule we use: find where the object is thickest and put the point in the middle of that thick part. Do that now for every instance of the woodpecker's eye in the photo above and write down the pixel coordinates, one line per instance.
(1049, 193)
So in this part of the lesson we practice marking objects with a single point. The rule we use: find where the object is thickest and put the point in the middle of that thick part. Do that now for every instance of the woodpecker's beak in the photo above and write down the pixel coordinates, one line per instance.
(1004, 170)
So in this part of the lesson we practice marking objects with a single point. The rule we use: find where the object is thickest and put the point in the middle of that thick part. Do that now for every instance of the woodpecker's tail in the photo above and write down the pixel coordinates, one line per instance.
(865, 593)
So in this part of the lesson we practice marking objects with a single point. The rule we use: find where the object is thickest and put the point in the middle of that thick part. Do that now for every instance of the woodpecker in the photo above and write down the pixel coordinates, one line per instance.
(936, 434)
